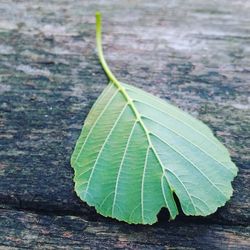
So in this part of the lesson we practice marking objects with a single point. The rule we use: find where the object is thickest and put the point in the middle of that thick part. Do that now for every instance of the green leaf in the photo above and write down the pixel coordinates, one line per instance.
(136, 150)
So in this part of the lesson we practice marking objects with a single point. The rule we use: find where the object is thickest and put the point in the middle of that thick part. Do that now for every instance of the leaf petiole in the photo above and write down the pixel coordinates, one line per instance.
(100, 51)
(111, 76)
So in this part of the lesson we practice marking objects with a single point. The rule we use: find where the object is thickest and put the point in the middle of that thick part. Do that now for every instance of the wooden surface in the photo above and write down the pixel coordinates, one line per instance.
(195, 54)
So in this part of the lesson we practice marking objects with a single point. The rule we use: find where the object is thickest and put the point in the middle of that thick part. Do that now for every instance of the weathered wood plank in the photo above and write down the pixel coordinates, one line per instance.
(33, 231)
(196, 54)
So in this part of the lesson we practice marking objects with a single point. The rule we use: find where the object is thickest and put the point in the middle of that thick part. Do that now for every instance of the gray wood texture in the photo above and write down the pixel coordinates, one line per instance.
(194, 54)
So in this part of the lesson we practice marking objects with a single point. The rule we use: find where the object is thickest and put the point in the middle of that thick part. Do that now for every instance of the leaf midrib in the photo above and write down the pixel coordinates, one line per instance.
(129, 100)
(174, 117)
(189, 141)
(130, 103)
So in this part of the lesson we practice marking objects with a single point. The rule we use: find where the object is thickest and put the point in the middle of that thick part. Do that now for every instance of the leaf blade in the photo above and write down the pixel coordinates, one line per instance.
(135, 150)
(168, 172)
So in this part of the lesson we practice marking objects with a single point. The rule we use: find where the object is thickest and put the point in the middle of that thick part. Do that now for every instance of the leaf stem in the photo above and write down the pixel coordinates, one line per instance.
(111, 76)
(100, 51)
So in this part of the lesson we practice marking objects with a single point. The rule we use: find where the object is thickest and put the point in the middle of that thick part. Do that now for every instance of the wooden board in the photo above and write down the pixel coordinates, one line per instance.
(194, 54)
(35, 231)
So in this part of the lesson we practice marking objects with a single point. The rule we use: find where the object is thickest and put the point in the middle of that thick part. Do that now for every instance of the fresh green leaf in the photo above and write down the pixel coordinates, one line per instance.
(136, 150)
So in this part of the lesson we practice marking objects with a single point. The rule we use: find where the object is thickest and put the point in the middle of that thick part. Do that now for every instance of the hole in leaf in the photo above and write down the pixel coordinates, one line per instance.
(163, 215)
(178, 204)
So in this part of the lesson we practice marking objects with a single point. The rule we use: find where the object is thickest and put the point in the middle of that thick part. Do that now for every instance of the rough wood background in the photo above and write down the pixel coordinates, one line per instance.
(195, 54)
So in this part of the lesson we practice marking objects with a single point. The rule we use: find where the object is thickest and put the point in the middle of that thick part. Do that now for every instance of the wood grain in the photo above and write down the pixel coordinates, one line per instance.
(194, 54)
(34, 231)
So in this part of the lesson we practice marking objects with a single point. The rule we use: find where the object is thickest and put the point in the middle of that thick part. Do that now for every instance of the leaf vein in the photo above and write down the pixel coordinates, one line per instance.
(186, 139)
(96, 121)
(187, 159)
(184, 188)
(164, 112)
(120, 167)
(142, 185)
(103, 145)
